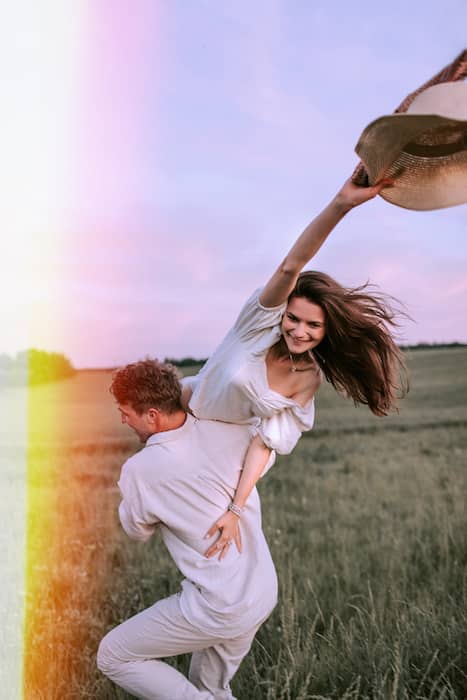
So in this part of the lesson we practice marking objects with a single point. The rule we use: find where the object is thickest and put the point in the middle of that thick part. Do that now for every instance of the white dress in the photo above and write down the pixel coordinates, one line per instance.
(233, 386)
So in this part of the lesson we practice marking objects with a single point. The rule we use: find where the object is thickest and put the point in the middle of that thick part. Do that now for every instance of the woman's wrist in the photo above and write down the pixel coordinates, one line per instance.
(341, 205)
(236, 509)
(351, 195)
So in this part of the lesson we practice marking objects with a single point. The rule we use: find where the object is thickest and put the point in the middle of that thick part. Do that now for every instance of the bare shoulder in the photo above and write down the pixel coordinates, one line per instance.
(314, 381)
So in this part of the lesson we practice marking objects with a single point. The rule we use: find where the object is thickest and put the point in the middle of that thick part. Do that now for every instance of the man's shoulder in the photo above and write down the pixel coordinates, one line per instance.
(146, 460)
(175, 453)
(135, 459)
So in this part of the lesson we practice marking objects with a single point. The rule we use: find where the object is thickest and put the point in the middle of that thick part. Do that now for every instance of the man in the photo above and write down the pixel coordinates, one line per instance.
(179, 484)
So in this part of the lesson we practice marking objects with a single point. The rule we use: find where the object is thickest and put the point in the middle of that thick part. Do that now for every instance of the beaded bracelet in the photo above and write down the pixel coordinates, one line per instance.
(235, 509)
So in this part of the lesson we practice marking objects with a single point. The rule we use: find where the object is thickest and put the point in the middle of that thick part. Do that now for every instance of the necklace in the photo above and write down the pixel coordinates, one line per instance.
(293, 367)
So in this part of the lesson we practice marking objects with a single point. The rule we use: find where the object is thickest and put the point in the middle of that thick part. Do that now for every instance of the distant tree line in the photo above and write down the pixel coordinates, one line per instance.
(190, 361)
(432, 346)
(34, 366)
(185, 361)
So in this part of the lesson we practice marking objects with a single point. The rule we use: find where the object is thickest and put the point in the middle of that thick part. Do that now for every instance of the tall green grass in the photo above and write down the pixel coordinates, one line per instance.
(366, 524)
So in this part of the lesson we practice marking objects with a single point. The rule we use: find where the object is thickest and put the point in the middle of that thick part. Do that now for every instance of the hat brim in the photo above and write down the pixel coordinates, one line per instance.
(424, 154)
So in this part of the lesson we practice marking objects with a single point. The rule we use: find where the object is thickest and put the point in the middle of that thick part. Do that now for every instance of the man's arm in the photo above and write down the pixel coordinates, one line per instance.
(134, 527)
(135, 515)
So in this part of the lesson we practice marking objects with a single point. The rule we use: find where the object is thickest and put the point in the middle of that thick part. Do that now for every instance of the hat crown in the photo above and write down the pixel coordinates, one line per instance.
(446, 99)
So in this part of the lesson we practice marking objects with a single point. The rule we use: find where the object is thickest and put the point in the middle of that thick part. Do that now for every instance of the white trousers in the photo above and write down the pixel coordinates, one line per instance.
(129, 654)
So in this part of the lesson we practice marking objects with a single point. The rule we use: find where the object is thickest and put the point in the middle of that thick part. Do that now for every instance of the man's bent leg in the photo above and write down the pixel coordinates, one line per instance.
(128, 654)
(213, 668)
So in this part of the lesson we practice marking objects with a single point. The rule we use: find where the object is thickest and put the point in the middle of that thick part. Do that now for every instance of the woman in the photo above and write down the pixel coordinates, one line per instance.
(270, 365)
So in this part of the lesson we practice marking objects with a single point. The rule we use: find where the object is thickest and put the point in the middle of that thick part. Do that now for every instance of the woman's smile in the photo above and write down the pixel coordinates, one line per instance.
(303, 325)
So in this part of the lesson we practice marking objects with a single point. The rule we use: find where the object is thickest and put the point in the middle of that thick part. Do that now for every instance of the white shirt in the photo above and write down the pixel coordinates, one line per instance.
(180, 483)
(233, 386)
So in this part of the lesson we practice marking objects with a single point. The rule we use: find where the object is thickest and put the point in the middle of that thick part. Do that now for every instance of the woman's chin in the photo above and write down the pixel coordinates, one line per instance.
(299, 348)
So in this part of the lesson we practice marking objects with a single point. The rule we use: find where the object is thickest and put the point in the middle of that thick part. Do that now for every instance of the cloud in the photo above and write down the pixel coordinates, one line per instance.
(205, 138)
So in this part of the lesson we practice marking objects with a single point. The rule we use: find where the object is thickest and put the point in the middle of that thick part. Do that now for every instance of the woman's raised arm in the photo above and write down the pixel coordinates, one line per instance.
(283, 281)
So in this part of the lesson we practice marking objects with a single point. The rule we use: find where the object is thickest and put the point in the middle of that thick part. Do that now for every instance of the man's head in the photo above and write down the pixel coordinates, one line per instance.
(148, 394)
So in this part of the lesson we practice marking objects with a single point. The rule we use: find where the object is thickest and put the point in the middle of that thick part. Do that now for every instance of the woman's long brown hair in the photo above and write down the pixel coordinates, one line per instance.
(358, 355)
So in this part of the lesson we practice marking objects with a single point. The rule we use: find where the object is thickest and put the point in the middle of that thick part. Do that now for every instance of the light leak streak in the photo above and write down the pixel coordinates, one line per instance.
(39, 47)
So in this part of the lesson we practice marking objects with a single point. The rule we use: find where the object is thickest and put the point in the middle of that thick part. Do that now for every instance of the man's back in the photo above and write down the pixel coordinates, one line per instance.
(181, 483)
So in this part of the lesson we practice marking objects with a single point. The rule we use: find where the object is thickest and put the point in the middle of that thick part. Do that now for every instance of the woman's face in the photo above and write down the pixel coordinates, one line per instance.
(303, 325)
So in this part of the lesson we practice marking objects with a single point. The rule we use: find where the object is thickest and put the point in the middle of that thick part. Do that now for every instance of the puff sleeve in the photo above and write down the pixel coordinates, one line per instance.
(283, 429)
(254, 318)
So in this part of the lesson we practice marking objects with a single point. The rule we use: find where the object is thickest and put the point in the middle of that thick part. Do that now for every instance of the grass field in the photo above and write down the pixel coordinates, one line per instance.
(366, 524)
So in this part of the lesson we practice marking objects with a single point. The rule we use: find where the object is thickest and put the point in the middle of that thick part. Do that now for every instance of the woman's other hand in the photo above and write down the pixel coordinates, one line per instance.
(229, 532)
(352, 195)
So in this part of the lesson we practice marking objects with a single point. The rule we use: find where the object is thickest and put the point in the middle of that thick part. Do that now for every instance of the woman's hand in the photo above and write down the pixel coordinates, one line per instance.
(352, 195)
(228, 526)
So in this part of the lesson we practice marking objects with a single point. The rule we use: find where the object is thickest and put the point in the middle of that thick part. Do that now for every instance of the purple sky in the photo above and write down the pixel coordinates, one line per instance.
(205, 136)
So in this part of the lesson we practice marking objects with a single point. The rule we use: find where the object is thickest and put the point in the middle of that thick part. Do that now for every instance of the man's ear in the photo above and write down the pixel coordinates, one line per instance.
(154, 416)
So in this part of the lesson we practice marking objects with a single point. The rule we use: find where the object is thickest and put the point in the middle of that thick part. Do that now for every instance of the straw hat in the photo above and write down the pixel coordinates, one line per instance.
(424, 150)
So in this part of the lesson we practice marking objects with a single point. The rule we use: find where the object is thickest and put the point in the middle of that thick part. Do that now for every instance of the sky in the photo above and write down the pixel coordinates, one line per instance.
(160, 157)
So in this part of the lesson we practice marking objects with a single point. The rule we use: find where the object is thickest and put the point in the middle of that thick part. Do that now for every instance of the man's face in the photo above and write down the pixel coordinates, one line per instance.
(142, 424)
